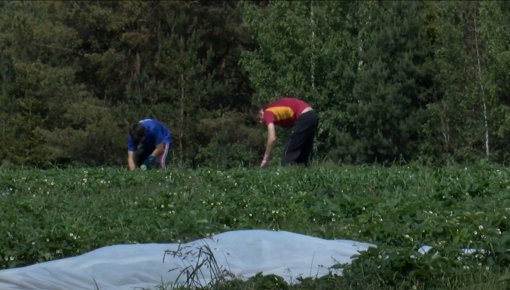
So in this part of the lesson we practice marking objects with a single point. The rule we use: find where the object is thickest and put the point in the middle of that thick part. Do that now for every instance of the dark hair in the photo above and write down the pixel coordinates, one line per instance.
(137, 131)
(253, 113)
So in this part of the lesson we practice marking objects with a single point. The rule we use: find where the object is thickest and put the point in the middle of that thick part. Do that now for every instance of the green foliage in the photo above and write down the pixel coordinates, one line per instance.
(303, 51)
(120, 61)
(391, 81)
(278, 67)
(184, 77)
(268, 282)
(493, 28)
(226, 142)
(90, 135)
(38, 76)
(464, 122)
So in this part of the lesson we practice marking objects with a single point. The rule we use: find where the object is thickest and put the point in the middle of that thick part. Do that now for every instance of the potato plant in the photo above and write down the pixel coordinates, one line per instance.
(458, 214)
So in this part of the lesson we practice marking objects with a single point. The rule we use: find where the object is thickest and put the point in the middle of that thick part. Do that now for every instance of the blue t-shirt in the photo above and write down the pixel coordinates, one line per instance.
(155, 133)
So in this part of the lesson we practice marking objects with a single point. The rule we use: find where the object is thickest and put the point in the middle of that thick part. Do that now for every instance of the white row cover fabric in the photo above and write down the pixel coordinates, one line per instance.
(242, 254)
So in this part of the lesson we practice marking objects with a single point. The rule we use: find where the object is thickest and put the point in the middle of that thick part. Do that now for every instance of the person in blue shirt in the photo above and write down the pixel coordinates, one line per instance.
(148, 144)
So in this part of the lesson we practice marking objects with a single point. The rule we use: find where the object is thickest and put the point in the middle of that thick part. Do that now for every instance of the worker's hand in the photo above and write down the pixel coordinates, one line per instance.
(265, 161)
(148, 162)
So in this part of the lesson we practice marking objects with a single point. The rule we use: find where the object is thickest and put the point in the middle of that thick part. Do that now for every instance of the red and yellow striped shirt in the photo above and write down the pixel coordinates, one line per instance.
(284, 112)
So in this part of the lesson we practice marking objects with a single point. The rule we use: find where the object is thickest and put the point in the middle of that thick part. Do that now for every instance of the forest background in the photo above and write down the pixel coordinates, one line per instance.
(392, 81)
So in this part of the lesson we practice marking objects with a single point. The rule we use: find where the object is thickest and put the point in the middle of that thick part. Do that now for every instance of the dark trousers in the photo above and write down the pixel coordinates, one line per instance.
(299, 144)
(160, 161)
(140, 156)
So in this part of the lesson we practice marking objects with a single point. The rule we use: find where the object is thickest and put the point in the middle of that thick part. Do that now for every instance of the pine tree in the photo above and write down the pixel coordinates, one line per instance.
(390, 82)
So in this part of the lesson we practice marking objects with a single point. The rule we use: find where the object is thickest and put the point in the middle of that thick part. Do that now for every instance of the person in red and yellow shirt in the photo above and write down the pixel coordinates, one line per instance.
(288, 112)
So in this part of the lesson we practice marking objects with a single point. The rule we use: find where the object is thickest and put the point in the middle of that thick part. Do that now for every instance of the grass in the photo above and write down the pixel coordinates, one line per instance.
(55, 213)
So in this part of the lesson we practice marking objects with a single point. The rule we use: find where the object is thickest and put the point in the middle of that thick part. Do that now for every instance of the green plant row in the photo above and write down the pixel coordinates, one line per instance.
(56, 213)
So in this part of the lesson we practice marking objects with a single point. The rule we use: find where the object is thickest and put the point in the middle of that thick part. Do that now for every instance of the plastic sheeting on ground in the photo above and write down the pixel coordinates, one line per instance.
(242, 253)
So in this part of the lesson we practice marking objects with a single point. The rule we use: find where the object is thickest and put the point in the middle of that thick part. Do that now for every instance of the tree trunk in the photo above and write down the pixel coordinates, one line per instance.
(181, 118)
(482, 91)
(312, 57)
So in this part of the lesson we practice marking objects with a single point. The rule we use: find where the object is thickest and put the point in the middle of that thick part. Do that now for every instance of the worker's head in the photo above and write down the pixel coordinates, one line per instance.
(137, 132)
(256, 113)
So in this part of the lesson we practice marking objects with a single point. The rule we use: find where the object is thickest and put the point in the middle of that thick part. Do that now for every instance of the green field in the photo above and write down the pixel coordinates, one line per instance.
(55, 213)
